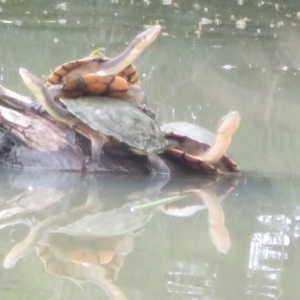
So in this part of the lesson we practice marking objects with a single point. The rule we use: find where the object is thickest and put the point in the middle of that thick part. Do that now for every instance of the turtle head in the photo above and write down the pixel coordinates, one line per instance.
(226, 128)
(36, 86)
(229, 124)
(32, 82)
(135, 48)
(40, 91)
(146, 37)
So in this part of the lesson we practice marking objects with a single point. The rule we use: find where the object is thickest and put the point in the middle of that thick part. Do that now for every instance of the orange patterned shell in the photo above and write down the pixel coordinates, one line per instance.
(79, 78)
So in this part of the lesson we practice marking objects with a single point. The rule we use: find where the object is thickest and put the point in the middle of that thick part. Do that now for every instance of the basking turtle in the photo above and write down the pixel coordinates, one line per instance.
(80, 77)
(104, 122)
(201, 148)
(115, 77)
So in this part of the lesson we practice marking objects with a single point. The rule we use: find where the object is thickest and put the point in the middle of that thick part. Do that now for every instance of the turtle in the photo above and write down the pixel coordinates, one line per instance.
(105, 122)
(79, 77)
(200, 148)
(115, 77)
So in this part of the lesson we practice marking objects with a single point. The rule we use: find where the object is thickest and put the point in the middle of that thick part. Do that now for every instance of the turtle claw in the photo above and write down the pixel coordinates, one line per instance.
(148, 111)
(37, 108)
(138, 97)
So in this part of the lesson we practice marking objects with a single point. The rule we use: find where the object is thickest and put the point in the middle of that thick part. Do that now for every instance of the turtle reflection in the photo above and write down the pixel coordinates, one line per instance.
(91, 241)
(207, 197)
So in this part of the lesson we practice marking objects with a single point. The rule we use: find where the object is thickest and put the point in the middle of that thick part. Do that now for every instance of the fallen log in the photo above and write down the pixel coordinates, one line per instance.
(32, 141)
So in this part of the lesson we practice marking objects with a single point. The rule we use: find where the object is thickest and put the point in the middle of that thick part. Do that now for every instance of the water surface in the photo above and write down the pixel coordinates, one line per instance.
(226, 239)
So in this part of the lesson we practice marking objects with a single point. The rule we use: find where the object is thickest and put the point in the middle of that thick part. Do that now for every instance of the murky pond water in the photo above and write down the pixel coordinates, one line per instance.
(64, 236)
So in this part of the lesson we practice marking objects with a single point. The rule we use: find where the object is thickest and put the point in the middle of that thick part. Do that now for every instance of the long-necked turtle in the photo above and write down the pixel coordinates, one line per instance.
(201, 148)
(104, 122)
(115, 77)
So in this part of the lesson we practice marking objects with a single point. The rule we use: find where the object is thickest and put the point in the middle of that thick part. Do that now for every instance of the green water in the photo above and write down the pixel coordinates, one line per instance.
(97, 238)
(85, 237)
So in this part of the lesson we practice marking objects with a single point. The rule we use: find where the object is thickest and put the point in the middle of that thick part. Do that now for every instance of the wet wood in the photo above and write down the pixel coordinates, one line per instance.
(41, 142)
(14, 100)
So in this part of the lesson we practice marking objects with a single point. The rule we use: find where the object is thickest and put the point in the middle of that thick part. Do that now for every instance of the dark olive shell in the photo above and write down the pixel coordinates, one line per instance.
(118, 119)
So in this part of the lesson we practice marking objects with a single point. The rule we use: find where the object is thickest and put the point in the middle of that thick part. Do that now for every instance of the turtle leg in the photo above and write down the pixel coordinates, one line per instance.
(159, 167)
(37, 107)
(96, 148)
(136, 93)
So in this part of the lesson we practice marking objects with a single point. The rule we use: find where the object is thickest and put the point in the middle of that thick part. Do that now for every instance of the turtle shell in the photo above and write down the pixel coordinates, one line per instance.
(190, 140)
(120, 120)
(79, 77)
(86, 66)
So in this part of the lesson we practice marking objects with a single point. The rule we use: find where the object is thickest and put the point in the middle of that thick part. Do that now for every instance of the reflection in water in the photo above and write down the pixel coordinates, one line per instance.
(268, 252)
(206, 199)
(90, 241)
(266, 258)
(218, 232)
(272, 241)
(97, 265)
(112, 232)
